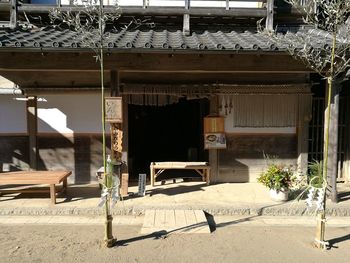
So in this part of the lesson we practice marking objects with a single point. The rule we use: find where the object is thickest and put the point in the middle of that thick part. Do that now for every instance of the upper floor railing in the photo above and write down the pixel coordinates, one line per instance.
(186, 8)
(226, 4)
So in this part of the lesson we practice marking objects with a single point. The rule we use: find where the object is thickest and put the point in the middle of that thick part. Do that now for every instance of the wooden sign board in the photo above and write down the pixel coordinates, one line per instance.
(113, 109)
(214, 124)
(124, 184)
(215, 141)
(142, 185)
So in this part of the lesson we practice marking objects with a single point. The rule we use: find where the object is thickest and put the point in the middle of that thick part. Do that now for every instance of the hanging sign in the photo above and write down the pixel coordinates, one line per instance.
(113, 109)
(142, 185)
(214, 141)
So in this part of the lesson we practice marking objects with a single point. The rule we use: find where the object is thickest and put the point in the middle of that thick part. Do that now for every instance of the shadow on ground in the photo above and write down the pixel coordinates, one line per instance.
(337, 240)
(177, 189)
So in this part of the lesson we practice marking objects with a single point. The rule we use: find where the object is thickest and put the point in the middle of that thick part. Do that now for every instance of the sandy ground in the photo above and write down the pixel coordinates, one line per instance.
(228, 243)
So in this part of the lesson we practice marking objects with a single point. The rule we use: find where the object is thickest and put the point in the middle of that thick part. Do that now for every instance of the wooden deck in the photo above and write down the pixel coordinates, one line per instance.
(178, 221)
(33, 178)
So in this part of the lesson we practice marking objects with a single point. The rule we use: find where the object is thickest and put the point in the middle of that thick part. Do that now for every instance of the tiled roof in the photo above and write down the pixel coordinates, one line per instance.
(50, 38)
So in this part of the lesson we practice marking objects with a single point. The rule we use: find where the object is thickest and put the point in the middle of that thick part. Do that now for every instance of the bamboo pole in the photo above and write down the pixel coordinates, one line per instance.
(321, 216)
(108, 237)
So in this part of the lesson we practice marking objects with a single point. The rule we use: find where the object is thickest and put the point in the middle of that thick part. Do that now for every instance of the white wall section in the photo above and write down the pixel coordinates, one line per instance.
(70, 113)
(12, 115)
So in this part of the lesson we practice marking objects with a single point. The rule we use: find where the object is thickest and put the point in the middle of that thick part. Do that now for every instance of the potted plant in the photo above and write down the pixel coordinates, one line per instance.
(279, 179)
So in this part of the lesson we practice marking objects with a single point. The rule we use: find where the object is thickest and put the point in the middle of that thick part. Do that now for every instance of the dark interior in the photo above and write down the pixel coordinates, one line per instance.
(166, 133)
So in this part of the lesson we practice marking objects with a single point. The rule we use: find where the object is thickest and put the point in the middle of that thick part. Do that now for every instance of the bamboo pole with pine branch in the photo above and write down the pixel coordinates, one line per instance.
(329, 58)
(90, 25)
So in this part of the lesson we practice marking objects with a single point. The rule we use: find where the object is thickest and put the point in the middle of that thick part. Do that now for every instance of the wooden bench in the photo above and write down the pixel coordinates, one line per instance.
(35, 177)
(202, 168)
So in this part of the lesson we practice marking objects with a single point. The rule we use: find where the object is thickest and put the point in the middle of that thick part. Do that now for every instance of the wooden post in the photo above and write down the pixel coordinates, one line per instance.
(114, 83)
(346, 138)
(227, 4)
(117, 134)
(213, 153)
(125, 143)
(186, 25)
(332, 169)
(152, 174)
(186, 20)
(145, 3)
(269, 15)
(124, 182)
(187, 4)
(32, 129)
(53, 194)
(13, 14)
(304, 115)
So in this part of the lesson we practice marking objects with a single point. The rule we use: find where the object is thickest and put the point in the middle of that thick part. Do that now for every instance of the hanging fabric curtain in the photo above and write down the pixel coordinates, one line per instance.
(264, 110)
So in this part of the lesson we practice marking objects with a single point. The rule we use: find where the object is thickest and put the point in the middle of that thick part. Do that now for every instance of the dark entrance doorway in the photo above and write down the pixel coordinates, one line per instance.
(166, 133)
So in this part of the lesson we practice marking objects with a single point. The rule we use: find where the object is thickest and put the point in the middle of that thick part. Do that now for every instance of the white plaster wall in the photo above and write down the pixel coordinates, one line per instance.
(70, 113)
(12, 114)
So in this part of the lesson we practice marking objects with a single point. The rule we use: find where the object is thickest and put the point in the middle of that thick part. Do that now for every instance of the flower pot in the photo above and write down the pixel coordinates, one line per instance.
(279, 196)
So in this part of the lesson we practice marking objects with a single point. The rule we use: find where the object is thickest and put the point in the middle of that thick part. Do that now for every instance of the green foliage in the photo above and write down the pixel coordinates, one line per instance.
(316, 174)
(277, 177)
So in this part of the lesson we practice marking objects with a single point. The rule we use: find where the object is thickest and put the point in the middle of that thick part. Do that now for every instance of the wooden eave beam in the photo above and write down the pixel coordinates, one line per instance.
(282, 63)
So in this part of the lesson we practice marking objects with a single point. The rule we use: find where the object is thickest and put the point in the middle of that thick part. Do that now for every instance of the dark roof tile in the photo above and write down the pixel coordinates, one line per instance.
(51, 38)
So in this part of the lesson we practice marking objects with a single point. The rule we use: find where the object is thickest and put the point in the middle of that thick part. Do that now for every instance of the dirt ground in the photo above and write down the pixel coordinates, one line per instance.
(228, 243)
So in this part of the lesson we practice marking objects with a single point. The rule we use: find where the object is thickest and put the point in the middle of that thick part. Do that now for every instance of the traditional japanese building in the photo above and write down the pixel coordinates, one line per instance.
(176, 63)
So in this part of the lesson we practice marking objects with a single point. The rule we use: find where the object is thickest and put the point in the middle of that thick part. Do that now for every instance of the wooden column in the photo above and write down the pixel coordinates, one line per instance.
(186, 20)
(120, 130)
(304, 116)
(213, 153)
(332, 169)
(227, 4)
(13, 14)
(114, 83)
(346, 138)
(269, 15)
(145, 3)
(125, 136)
(115, 92)
(32, 129)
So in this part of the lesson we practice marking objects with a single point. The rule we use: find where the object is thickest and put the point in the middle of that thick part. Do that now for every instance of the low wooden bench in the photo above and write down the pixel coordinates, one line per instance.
(202, 168)
(35, 177)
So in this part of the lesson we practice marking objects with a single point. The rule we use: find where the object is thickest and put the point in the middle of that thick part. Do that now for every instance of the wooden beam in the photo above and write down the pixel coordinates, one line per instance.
(263, 63)
(32, 129)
